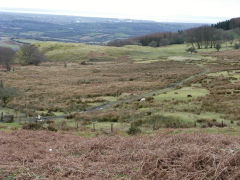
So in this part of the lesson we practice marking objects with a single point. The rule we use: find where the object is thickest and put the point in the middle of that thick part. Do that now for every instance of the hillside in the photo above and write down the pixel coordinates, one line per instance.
(79, 29)
(132, 112)
(46, 155)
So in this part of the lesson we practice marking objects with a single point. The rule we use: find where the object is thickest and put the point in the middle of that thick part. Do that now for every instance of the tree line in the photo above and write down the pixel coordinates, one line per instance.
(201, 37)
(228, 24)
(154, 40)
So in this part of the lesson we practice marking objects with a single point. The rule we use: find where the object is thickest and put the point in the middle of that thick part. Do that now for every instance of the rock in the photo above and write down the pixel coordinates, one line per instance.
(143, 99)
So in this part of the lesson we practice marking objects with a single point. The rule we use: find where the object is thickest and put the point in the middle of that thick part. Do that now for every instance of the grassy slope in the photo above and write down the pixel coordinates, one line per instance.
(79, 52)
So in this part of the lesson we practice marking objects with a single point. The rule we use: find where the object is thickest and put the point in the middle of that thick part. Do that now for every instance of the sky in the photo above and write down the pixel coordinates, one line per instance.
(204, 11)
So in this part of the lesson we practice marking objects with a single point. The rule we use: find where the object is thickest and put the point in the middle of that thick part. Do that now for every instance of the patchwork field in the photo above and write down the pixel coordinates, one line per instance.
(8, 42)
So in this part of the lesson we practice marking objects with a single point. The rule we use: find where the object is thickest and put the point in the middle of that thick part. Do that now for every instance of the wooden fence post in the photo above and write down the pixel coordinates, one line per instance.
(111, 128)
(1, 116)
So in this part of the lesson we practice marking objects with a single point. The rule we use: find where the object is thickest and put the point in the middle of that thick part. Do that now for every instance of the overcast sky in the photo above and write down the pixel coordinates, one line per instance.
(208, 11)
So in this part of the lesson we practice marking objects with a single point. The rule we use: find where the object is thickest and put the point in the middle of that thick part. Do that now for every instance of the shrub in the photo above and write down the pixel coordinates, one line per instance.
(149, 113)
(191, 50)
(49, 121)
(218, 46)
(33, 126)
(83, 63)
(7, 93)
(204, 126)
(9, 119)
(236, 45)
(71, 116)
(133, 130)
(202, 120)
(149, 99)
(52, 128)
(210, 124)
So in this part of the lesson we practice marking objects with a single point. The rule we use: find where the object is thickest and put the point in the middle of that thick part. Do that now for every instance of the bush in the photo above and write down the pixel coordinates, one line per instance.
(9, 119)
(236, 45)
(71, 116)
(33, 126)
(133, 130)
(191, 50)
(52, 128)
(218, 46)
(220, 125)
(30, 55)
(150, 99)
(49, 121)
(202, 120)
(7, 93)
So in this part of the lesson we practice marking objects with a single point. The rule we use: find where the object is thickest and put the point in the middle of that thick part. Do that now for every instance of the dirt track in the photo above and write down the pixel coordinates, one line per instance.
(28, 155)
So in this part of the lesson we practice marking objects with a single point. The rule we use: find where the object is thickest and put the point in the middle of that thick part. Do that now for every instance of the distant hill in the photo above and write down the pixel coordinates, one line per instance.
(205, 35)
(80, 29)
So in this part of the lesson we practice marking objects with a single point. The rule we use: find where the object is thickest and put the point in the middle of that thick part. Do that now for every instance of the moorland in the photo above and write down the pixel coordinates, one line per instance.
(130, 112)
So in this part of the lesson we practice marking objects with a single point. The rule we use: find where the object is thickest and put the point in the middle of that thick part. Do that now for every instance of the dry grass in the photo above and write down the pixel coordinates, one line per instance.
(53, 87)
(227, 54)
(26, 155)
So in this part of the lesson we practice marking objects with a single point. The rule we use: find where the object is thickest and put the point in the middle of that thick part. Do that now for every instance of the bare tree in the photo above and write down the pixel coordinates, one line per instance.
(7, 93)
(6, 57)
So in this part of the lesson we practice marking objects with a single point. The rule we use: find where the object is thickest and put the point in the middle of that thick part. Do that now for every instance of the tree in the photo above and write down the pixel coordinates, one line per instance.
(218, 46)
(30, 55)
(6, 57)
(204, 36)
(6, 94)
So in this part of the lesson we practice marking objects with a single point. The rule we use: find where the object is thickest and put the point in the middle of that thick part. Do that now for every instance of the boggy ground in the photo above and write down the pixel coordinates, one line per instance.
(47, 155)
